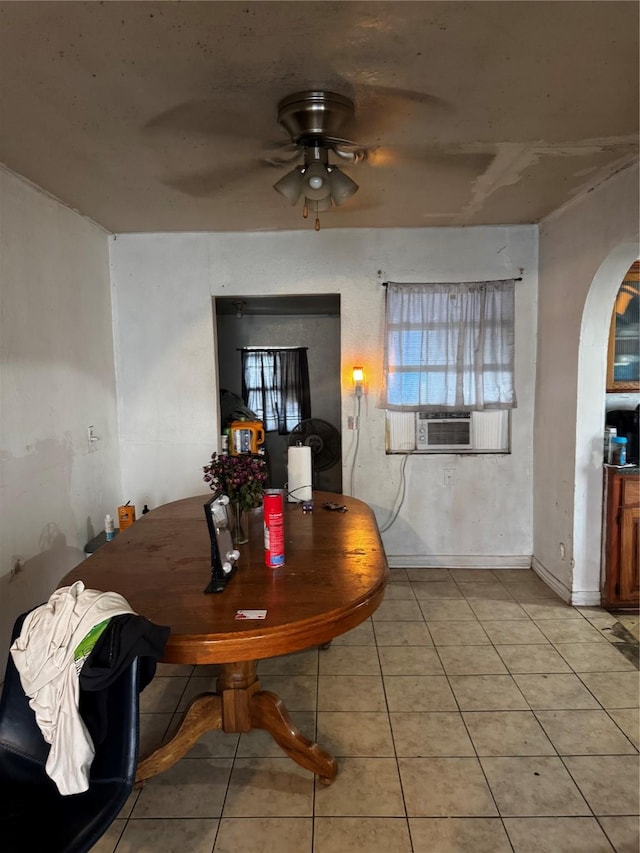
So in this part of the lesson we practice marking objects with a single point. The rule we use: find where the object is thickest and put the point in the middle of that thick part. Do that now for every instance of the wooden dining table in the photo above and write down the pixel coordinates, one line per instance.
(333, 578)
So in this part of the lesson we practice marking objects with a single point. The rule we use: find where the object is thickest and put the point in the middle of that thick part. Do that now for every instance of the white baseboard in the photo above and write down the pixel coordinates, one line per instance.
(578, 598)
(551, 580)
(586, 598)
(453, 561)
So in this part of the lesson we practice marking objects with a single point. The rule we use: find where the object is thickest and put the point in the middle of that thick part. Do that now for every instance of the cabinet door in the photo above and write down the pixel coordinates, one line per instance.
(629, 576)
(623, 361)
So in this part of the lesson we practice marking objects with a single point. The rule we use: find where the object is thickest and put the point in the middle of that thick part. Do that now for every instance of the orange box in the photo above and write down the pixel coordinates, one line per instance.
(126, 516)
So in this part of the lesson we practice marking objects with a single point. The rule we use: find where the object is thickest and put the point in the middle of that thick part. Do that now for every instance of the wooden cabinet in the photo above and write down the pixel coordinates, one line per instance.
(621, 539)
(623, 360)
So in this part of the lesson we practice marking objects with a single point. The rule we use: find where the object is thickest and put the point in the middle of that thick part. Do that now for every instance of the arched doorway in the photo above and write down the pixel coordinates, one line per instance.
(592, 364)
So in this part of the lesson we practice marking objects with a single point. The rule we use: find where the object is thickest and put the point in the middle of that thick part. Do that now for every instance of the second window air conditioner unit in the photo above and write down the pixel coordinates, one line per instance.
(444, 431)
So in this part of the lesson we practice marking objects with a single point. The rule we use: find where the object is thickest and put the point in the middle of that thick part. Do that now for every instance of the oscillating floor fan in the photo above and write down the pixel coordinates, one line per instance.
(323, 439)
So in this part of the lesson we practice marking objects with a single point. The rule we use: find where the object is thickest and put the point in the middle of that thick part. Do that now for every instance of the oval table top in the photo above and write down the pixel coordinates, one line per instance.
(334, 577)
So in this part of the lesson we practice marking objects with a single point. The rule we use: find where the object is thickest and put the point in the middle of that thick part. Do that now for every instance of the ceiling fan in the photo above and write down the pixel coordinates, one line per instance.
(316, 122)
(314, 119)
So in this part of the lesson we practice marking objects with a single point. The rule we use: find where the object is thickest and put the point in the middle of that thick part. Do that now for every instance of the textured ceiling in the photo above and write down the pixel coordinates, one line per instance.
(153, 116)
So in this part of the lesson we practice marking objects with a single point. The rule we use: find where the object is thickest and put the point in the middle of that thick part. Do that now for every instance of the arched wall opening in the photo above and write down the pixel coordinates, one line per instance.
(592, 368)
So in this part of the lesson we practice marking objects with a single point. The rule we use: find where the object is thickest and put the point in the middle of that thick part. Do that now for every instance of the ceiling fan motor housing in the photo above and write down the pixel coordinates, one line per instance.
(314, 114)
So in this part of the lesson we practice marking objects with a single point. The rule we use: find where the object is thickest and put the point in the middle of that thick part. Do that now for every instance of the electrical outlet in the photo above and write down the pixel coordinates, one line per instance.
(350, 422)
(449, 476)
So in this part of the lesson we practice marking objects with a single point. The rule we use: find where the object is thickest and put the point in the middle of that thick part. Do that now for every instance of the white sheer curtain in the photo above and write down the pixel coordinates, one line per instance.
(449, 347)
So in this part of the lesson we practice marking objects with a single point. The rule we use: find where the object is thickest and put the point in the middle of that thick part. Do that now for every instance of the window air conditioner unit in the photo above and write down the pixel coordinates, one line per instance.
(445, 431)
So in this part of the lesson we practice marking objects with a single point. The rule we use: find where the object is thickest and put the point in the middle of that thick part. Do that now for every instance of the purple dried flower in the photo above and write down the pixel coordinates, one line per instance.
(241, 477)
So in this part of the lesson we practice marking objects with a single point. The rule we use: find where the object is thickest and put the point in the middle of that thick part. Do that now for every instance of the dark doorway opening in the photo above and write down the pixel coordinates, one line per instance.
(311, 321)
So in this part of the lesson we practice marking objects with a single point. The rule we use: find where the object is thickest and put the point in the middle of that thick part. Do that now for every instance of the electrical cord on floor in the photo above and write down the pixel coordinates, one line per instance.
(355, 452)
(400, 495)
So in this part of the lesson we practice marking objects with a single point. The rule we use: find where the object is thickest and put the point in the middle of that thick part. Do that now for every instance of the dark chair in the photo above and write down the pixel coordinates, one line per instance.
(34, 817)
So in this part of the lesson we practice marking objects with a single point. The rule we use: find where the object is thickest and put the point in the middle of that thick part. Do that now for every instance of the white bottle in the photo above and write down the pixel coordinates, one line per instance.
(109, 529)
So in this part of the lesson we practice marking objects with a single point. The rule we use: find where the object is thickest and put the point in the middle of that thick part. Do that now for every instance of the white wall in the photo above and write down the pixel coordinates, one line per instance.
(165, 352)
(57, 378)
(165, 365)
(585, 250)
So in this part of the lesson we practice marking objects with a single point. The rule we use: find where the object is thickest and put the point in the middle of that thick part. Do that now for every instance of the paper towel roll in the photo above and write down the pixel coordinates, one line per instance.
(299, 471)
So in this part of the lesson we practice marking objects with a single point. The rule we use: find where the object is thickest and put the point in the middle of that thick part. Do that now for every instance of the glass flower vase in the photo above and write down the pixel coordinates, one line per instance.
(238, 534)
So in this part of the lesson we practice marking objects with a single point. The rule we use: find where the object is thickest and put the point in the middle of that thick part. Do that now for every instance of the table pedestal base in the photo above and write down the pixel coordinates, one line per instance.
(239, 705)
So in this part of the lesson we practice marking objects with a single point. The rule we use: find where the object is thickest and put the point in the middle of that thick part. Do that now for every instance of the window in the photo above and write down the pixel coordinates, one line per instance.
(449, 351)
(275, 385)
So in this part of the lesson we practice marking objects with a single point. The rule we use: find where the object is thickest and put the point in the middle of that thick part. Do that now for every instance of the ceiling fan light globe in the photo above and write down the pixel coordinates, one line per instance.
(342, 187)
(290, 186)
(316, 182)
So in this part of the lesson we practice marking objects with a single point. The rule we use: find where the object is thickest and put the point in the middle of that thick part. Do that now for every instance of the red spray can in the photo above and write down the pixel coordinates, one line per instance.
(273, 509)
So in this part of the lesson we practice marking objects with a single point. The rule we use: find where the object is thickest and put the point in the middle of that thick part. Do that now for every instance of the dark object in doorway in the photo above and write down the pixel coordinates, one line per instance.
(626, 422)
(234, 408)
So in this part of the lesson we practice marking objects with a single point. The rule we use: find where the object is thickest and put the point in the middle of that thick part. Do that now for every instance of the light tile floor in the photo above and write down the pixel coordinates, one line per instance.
(474, 713)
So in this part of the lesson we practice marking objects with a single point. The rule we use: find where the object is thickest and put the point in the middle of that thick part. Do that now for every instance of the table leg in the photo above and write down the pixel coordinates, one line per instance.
(238, 705)
(245, 706)
(268, 712)
(202, 715)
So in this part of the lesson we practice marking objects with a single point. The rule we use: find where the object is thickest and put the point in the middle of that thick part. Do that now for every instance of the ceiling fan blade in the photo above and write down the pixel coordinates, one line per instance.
(436, 157)
(280, 162)
(422, 98)
(280, 145)
(207, 183)
(205, 119)
(381, 109)
(285, 153)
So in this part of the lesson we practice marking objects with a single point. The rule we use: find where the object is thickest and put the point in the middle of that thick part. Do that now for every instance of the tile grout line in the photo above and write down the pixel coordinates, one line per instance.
(314, 789)
(393, 740)
(471, 740)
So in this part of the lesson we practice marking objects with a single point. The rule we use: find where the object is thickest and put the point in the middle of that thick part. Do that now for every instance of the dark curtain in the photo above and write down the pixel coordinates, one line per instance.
(275, 385)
